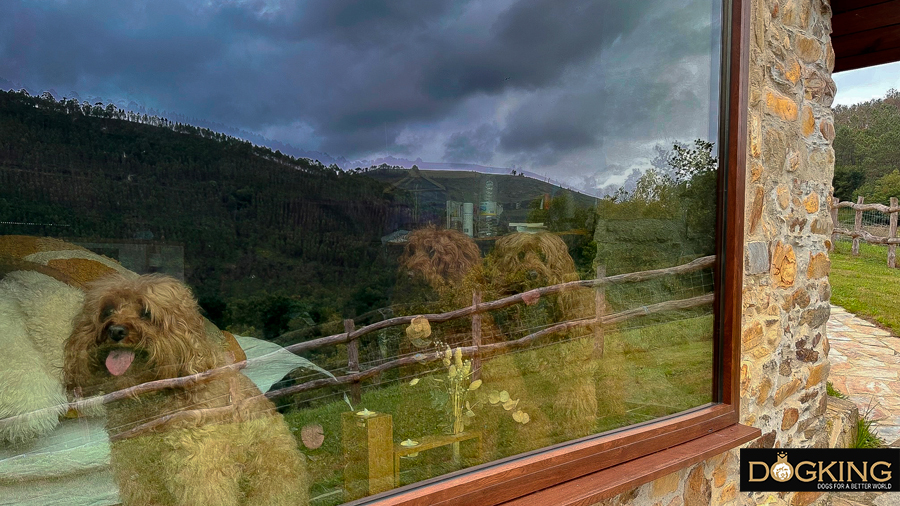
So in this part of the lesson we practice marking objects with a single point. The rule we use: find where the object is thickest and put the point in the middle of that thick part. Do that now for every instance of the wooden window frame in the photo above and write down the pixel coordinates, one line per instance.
(595, 467)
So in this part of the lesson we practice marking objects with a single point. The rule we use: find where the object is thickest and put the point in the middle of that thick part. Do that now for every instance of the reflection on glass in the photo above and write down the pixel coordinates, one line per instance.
(511, 250)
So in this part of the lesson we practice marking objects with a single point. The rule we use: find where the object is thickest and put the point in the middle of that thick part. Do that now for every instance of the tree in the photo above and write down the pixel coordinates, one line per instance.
(847, 180)
(690, 163)
(882, 189)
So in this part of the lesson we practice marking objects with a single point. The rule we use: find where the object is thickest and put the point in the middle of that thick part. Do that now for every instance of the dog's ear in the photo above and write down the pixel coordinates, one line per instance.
(77, 347)
(183, 342)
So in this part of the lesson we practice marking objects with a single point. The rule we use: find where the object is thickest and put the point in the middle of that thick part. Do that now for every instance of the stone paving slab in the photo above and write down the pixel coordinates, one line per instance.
(865, 365)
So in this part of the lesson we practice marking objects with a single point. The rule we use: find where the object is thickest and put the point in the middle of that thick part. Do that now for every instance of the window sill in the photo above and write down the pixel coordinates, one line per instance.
(614, 480)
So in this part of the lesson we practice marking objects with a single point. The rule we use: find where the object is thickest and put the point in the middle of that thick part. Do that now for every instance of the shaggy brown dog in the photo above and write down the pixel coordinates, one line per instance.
(215, 442)
(434, 278)
(442, 258)
(563, 366)
(439, 272)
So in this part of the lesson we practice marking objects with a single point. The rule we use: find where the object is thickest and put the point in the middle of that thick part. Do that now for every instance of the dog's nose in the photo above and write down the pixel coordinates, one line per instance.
(532, 275)
(116, 332)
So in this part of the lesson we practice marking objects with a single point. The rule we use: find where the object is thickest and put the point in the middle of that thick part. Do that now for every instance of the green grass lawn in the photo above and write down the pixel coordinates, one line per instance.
(865, 285)
(646, 372)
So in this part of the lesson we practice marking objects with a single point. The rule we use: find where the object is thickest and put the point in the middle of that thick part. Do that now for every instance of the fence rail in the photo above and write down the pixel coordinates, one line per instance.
(477, 350)
(891, 240)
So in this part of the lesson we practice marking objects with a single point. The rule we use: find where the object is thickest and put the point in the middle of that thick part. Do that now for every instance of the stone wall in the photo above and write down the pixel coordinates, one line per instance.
(790, 166)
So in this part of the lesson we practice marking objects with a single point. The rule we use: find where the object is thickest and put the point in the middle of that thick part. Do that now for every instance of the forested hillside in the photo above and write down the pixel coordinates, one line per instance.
(867, 149)
(270, 241)
(250, 219)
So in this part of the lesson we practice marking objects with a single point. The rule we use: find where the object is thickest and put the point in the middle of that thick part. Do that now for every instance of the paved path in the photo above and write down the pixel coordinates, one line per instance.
(865, 365)
(865, 361)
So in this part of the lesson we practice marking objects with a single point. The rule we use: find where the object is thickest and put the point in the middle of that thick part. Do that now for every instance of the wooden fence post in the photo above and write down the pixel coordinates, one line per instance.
(353, 361)
(892, 232)
(599, 310)
(834, 221)
(476, 336)
(857, 226)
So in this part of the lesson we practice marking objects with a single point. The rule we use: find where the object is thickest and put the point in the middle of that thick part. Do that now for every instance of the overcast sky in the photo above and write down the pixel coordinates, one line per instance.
(569, 88)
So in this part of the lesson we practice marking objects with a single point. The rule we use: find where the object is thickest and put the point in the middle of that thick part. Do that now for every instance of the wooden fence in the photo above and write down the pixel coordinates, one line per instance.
(477, 350)
(891, 240)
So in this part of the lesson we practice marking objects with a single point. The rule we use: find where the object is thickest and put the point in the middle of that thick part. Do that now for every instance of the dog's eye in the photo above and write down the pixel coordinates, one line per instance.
(107, 311)
(145, 314)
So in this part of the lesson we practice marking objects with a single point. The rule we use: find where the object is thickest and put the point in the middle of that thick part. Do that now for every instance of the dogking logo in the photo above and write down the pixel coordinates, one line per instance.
(815, 469)
(782, 471)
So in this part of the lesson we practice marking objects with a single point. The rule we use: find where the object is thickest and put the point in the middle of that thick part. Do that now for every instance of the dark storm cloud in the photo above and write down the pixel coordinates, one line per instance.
(517, 52)
(473, 146)
(355, 73)
(94, 42)
(629, 106)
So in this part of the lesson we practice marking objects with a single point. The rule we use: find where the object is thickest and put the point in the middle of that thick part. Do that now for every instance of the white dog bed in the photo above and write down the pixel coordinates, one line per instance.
(70, 465)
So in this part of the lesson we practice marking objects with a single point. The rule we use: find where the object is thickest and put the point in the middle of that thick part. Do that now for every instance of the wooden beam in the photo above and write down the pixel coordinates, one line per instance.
(870, 41)
(867, 60)
(841, 6)
(866, 18)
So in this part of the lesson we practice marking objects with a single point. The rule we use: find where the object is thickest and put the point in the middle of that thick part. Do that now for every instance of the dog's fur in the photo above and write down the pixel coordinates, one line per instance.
(441, 258)
(434, 277)
(521, 262)
(220, 442)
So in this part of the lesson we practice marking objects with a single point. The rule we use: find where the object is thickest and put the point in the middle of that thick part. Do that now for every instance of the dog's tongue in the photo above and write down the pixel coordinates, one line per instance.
(118, 361)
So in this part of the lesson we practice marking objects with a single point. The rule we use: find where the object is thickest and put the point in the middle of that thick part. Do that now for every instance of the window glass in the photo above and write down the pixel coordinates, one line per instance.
(460, 231)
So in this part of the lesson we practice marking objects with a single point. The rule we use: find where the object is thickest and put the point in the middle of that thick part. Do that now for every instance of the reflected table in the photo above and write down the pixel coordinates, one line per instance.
(430, 443)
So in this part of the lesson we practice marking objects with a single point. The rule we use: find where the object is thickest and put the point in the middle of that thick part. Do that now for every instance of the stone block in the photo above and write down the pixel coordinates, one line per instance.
(827, 130)
(819, 88)
(811, 203)
(719, 476)
(784, 391)
(783, 196)
(755, 137)
(808, 49)
(767, 440)
(829, 56)
(841, 418)
(781, 106)
(774, 148)
(752, 337)
(809, 121)
(745, 379)
(789, 418)
(800, 298)
(756, 208)
(807, 355)
(665, 485)
(805, 498)
(784, 265)
(817, 373)
(729, 493)
(816, 316)
(793, 162)
(697, 489)
(756, 170)
(765, 386)
(819, 266)
(821, 226)
(757, 258)
(824, 290)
